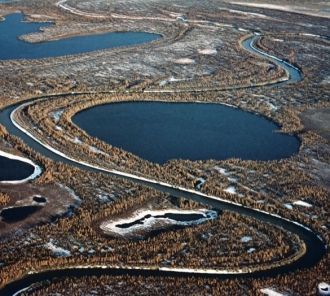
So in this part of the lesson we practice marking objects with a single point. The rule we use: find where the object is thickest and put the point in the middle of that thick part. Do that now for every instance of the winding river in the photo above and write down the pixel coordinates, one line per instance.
(315, 247)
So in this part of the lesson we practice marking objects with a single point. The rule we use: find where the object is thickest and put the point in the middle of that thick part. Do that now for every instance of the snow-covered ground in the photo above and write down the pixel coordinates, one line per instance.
(271, 292)
(150, 222)
(57, 251)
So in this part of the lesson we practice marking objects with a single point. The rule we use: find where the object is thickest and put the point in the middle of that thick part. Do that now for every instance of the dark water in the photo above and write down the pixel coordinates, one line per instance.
(39, 199)
(177, 217)
(11, 169)
(15, 214)
(159, 132)
(13, 48)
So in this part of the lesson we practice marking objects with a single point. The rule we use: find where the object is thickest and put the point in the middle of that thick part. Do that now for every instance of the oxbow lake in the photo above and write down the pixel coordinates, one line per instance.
(14, 26)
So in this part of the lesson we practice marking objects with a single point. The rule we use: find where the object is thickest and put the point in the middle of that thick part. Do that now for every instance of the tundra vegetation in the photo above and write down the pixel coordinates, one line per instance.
(183, 66)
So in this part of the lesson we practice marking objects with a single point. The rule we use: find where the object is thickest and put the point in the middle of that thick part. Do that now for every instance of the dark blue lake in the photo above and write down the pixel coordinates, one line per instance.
(11, 169)
(13, 48)
(159, 132)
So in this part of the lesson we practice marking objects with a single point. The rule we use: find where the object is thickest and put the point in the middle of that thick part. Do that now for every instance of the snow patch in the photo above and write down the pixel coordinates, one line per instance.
(288, 206)
(302, 203)
(248, 13)
(76, 140)
(57, 251)
(208, 51)
(246, 239)
(171, 79)
(184, 61)
(96, 150)
(251, 250)
(57, 114)
(271, 292)
(231, 190)
(199, 183)
(323, 288)
(222, 171)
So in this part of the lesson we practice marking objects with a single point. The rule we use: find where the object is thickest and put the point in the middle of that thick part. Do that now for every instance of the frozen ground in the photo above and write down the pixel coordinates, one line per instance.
(151, 222)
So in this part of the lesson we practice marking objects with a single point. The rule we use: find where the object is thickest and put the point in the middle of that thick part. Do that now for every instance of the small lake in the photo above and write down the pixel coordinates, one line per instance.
(12, 169)
(177, 217)
(15, 214)
(159, 132)
(15, 26)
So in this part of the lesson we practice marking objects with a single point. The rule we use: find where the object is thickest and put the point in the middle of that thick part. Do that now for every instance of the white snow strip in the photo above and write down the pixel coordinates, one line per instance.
(302, 203)
(271, 292)
(184, 61)
(21, 291)
(37, 169)
(248, 13)
(208, 51)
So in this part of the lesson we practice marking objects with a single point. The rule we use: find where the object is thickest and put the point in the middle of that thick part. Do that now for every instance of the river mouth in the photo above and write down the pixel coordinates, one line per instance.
(159, 132)
(13, 169)
(13, 48)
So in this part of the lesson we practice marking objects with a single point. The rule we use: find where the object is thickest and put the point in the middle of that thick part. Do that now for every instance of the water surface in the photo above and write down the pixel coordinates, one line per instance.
(15, 214)
(177, 217)
(12, 169)
(13, 48)
(159, 132)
